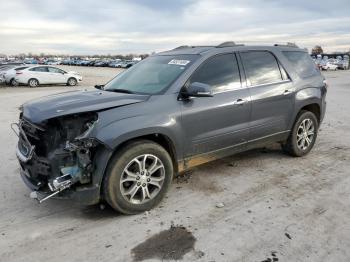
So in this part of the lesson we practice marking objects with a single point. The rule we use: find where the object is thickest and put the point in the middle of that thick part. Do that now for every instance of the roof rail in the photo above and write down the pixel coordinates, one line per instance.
(191, 46)
(228, 44)
(181, 47)
(289, 44)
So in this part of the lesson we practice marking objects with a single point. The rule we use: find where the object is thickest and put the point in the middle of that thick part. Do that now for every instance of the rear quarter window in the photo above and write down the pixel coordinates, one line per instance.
(302, 63)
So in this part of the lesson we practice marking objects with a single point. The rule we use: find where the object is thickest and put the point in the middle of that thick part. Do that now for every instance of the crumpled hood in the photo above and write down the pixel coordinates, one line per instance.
(73, 102)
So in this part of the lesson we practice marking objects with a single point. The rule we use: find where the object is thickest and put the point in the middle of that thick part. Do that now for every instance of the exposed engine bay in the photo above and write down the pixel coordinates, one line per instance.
(57, 154)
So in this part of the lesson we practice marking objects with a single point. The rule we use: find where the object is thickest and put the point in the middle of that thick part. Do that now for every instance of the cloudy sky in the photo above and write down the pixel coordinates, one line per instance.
(143, 26)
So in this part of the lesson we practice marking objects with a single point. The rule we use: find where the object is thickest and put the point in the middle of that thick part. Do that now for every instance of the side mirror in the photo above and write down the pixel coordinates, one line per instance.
(100, 87)
(197, 89)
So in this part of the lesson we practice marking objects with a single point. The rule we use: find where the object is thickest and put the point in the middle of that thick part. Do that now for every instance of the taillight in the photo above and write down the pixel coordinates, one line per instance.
(325, 82)
(19, 73)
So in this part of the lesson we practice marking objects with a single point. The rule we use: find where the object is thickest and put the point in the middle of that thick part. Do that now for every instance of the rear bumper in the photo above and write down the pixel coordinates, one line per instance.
(21, 81)
(323, 110)
(323, 103)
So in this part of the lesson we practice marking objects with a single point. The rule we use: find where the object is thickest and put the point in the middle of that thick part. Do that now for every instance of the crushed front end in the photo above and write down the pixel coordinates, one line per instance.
(56, 156)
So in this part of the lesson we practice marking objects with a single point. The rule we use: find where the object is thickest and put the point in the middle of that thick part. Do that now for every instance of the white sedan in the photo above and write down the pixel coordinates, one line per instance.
(10, 74)
(41, 75)
(329, 66)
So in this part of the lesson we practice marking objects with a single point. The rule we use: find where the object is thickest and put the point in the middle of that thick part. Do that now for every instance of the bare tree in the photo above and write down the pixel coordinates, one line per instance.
(317, 50)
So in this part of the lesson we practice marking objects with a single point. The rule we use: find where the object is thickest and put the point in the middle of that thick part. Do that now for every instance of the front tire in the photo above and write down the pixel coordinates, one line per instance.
(303, 135)
(72, 82)
(138, 177)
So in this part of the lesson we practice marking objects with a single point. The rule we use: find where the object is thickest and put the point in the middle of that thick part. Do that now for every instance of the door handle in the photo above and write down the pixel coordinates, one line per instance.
(239, 101)
(287, 92)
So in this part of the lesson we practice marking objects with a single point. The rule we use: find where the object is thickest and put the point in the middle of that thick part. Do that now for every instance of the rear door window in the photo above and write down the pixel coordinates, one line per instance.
(220, 72)
(302, 63)
(261, 67)
(55, 70)
(39, 69)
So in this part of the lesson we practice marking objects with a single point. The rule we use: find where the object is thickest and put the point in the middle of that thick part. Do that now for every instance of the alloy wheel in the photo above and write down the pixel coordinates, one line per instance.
(142, 179)
(305, 134)
(33, 83)
(72, 82)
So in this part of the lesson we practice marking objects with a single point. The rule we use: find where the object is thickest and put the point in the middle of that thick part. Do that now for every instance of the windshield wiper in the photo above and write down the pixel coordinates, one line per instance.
(119, 90)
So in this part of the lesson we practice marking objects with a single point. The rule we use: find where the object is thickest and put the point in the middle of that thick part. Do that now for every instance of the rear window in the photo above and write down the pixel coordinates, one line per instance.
(302, 63)
(21, 68)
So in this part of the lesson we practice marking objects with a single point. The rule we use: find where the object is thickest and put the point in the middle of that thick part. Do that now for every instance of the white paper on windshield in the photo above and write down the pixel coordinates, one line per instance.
(179, 62)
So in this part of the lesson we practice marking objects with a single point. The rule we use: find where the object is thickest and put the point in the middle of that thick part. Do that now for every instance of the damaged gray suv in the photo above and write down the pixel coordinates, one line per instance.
(123, 142)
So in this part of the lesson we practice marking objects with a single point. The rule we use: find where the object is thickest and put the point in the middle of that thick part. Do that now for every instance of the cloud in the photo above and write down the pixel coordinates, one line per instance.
(111, 26)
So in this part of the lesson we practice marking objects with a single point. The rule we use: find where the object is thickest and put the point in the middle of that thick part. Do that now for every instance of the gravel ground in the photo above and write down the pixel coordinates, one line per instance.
(256, 206)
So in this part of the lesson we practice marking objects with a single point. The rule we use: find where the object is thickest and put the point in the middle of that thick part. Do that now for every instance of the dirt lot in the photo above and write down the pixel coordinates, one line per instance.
(257, 206)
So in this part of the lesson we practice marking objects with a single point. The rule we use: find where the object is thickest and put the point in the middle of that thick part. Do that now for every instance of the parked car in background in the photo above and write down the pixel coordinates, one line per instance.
(118, 64)
(52, 62)
(85, 62)
(40, 75)
(103, 63)
(30, 61)
(12, 63)
(329, 66)
(76, 62)
(114, 63)
(342, 64)
(66, 62)
(6, 67)
(127, 64)
(91, 63)
(10, 74)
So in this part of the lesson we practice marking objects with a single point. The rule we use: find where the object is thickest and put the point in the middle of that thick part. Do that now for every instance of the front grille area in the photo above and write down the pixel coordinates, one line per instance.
(49, 153)
(36, 137)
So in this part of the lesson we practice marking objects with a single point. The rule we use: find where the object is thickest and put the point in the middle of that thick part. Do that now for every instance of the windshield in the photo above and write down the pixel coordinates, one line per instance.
(152, 75)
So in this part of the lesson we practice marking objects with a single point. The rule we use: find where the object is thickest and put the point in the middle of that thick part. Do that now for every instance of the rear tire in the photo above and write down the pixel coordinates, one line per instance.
(138, 177)
(13, 82)
(33, 82)
(303, 135)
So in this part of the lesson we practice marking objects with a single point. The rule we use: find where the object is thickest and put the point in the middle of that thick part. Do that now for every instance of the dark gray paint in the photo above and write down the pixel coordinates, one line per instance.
(198, 126)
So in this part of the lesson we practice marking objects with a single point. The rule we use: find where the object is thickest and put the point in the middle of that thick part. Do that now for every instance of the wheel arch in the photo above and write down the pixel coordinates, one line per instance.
(104, 155)
(158, 138)
(72, 77)
(309, 99)
(314, 108)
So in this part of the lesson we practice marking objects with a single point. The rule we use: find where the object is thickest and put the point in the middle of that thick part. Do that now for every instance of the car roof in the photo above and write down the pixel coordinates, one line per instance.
(228, 46)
